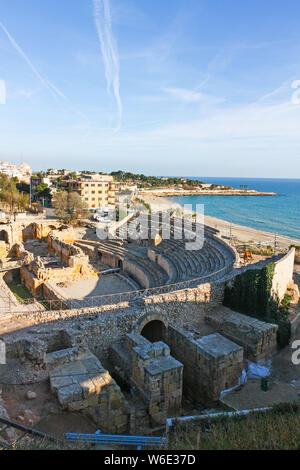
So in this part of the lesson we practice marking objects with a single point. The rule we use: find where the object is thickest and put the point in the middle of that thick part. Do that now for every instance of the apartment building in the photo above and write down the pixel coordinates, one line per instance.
(96, 191)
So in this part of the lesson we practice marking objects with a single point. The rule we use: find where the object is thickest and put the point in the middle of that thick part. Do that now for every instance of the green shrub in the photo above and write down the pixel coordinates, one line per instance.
(283, 333)
(251, 294)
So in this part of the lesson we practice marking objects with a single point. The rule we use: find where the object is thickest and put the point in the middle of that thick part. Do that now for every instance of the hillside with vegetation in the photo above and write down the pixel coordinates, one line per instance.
(143, 181)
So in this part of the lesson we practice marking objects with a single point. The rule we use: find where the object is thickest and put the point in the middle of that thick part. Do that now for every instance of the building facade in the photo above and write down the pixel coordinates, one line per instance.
(96, 191)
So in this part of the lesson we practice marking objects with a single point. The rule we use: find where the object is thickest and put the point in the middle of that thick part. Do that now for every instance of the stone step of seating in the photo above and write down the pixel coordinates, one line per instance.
(88, 250)
(183, 261)
(156, 275)
(185, 255)
(184, 264)
(153, 282)
(214, 259)
(176, 269)
(196, 263)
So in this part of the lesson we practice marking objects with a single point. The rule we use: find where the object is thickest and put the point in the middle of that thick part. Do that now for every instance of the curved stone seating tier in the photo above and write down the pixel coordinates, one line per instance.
(182, 264)
(213, 257)
(155, 274)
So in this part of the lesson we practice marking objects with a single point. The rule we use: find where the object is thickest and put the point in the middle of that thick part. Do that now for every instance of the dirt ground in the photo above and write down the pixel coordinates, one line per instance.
(251, 396)
(43, 412)
(103, 285)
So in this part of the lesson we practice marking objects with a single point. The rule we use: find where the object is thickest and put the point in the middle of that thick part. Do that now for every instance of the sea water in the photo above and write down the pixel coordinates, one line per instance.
(277, 214)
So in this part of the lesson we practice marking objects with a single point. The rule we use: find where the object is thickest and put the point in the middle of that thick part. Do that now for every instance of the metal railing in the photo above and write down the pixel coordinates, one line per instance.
(123, 297)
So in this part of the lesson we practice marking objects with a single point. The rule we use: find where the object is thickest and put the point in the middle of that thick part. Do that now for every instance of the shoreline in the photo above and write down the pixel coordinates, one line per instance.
(243, 233)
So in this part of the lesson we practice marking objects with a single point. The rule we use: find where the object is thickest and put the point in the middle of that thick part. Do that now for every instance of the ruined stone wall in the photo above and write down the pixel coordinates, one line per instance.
(18, 232)
(61, 248)
(3, 250)
(102, 326)
(82, 384)
(209, 293)
(259, 339)
(66, 235)
(50, 293)
(207, 371)
(150, 368)
(78, 266)
(18, 251)
(283, 274)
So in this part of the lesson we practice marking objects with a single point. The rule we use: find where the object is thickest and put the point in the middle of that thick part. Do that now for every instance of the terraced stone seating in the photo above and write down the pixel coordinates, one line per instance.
(121, 252)
(211, 262)
(187, 264)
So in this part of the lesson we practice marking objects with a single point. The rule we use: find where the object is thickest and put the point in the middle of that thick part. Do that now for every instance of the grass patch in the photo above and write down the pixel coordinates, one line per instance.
(20, 292)
(277, 429)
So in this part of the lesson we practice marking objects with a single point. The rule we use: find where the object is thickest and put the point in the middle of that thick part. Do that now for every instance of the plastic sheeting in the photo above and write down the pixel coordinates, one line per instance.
(255, 371)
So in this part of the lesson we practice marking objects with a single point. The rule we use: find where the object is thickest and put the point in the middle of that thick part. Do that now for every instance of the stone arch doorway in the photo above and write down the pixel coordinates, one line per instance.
(4, 236)
(154, 331)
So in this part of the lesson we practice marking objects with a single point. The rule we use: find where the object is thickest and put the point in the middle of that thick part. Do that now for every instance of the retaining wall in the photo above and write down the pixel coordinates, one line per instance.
(283, 274)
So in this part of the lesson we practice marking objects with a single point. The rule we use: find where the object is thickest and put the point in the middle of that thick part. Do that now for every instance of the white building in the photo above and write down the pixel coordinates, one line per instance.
(23, 173)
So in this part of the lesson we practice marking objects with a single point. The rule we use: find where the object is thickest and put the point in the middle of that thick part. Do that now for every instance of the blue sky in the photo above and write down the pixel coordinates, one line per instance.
(181, 87)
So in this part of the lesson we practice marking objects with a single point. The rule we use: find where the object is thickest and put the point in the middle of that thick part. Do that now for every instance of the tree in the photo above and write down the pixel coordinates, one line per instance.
(11, 197)
(71, 176)
(43, 191)
(23, 187)
(69, 206)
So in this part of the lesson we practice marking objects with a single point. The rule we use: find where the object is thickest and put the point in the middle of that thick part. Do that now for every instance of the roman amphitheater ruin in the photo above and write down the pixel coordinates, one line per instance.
(121, 329)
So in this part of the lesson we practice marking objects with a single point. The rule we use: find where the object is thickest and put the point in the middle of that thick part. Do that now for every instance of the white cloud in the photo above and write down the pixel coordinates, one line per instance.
(191, 96)
(109, 51)
(46, 83)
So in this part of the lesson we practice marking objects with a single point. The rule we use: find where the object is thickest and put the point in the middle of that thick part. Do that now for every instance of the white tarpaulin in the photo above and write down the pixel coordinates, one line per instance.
(256, 371)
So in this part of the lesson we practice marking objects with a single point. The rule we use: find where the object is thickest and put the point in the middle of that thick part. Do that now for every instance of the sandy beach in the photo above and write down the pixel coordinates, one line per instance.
(239, 232)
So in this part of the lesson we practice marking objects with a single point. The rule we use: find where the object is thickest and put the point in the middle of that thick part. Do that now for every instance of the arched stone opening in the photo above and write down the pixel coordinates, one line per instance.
(120, 264)
(154, 331)
(4, 236)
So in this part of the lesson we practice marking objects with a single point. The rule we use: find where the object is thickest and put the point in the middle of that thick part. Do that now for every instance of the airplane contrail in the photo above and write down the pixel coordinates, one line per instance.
(109, 51)
(51, 88)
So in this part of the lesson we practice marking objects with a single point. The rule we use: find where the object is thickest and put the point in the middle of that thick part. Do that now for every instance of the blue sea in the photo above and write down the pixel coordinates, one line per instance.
(279, 214)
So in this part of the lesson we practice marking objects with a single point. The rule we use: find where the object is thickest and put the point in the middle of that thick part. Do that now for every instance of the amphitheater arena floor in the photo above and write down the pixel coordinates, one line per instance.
(108, 284)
